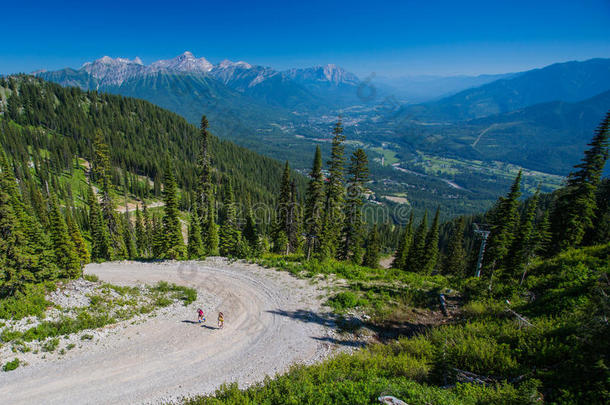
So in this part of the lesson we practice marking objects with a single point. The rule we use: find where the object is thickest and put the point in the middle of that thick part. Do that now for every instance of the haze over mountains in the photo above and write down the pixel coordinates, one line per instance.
(519, 118)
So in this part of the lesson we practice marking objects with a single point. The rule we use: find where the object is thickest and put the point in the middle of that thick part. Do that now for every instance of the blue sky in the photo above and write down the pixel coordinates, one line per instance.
(386, 37)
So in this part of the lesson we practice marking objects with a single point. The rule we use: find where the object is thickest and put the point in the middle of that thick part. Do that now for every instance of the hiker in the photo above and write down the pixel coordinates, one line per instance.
(221, 320)
(201, 317)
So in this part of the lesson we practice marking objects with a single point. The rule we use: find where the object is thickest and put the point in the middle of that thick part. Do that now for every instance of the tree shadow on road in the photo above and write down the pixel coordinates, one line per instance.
(389, 329)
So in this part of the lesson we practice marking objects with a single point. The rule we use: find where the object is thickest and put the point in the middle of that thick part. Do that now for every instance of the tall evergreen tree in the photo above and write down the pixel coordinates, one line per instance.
(281, 244)
(333, 214)
(77, 239)
(66, 256)
(251, 233)
(503, 228)
(140, 231)
(100, 241)
(404, 246)
(229, 231)
(574, 213)
(523, 245)
(371, 255)
(293, 225)
(148, 231)
(195, 245)
(455, 260)
(204, 183)
(314, 205)
(430, 257)
(543, 235)
(352, 239)
(211, 233)
(416, 260)
(174, 242)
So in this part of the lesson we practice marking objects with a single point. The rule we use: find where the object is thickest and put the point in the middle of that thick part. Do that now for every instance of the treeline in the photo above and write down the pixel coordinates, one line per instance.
(542, 226)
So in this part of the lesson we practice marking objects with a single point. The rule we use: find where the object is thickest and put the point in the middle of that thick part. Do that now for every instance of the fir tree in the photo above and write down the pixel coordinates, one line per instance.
(174, 242)
(77, 240)
(404, 245)
(140, 230)
(333, 215)
(100, 241)
(66, 256)
(283, 214)
(229, 231)
(314, 205)
(293, 226)
(352, 230)
(504, 223)
(574, 213)
(543, 235)
(250, 233)
(430, 257)
(211, 233)
(14, 272)
(148, 231)
(204, 185)
(523, 246)
(195, 245)
(416, 260)
(371, 255)
(455, 260)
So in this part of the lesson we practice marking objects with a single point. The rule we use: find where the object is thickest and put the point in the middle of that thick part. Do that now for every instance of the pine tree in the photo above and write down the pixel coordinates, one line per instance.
(250, 233)
(371, 255)
(101, 171)
(174, 242)
(140, 230)
(66, 256)
(148, 231)
(129, 236)
(281, 225)
(100, 241)
(211, 233)
(575, 208)
(353, 228)
(293, 226)
(204, 184)
(14, 272)
(416, 260)
(333, 215)
(314, 205)
(77, 240)
(504, 224)
(195, 245)
(229, 231)
(404, 246)
(523, 246)
(543, 235)
(430, 257)
(455, 260)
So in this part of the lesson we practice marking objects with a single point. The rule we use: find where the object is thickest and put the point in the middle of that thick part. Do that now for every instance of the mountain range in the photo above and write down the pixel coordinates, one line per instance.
(512, 117)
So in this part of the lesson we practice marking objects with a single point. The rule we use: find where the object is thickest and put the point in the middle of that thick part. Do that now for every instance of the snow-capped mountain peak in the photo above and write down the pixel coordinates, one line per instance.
(182, 63)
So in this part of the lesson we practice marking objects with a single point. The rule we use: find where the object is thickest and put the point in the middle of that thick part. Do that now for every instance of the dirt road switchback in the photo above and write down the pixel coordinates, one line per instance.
(272, 320)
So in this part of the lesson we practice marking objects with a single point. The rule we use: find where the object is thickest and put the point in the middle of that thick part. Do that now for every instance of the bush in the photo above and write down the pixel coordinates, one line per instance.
(30, 302)
(346, 300)
(11, 365)
(91, 277)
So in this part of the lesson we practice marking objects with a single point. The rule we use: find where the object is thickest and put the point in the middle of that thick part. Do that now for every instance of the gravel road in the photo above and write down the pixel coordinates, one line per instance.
(169, 355)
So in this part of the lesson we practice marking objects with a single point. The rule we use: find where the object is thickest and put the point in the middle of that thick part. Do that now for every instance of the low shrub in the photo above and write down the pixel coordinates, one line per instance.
(11, 365)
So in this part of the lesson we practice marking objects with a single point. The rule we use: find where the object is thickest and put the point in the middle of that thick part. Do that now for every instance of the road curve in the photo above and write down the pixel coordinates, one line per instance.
(169, 356)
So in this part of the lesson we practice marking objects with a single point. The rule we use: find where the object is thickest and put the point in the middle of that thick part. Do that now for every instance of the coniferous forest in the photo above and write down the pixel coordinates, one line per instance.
(92, 177)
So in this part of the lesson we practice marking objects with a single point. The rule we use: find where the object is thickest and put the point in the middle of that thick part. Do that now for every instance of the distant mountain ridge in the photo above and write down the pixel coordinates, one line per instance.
(568, 81)
(108, 71)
